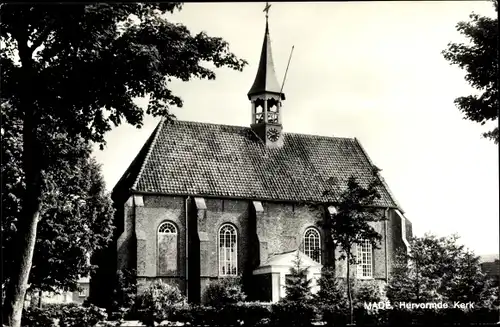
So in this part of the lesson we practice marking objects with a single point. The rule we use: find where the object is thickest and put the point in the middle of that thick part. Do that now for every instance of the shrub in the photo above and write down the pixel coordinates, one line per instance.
(124, 296)
(158, 302)
(224, 291)
(290, 313)
(334, 314)
(248, 313)
(367, 292)
(79, 316)
(199, 315)
(36, 317)
(252, 313)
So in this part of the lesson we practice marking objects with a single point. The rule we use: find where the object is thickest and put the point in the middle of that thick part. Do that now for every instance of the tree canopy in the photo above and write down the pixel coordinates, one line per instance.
(73, 71)
(479, 58)
(76, 215)
(439, 269)
(351, 224)
(88, 62)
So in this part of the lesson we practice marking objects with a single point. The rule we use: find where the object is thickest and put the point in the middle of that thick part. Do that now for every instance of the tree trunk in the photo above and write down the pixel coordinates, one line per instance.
(27, 225)
(18, 284)
(349, 295)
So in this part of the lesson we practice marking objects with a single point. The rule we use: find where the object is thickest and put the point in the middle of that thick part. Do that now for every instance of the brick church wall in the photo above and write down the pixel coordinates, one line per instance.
(281, 226)
(278, 228)
(379, 256)
(391, 243)
(217, 213)
(148, 217)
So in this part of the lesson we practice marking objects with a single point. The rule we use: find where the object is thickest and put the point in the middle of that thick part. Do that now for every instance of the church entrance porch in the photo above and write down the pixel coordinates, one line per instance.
(270, 277)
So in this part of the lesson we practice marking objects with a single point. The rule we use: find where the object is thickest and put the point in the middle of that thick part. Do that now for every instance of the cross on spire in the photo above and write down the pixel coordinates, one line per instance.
(266, 10)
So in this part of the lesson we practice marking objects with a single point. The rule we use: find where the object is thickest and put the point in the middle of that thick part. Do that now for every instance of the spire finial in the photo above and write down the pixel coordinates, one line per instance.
(266, 10)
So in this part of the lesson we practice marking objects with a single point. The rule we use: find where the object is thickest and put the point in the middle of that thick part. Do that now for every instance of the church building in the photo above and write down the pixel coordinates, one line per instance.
(205, 201)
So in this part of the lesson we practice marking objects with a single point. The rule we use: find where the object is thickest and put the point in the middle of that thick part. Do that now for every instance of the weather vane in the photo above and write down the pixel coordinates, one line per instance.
(266, 10)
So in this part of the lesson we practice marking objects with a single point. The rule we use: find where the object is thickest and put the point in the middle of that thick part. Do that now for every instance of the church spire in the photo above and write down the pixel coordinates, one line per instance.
(265, 80)
(265, 96)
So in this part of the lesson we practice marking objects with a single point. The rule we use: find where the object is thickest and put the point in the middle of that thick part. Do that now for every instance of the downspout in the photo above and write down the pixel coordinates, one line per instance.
(386, 253)
(187, 243)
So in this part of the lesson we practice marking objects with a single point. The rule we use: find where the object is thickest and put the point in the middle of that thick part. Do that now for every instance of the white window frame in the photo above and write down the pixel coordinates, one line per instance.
(364, 258)
(312, 241)
(82, 292)
(170, 224)
(223, 260)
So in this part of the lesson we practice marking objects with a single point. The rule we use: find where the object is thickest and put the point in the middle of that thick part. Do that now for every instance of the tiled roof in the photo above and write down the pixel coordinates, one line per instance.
(191, 158)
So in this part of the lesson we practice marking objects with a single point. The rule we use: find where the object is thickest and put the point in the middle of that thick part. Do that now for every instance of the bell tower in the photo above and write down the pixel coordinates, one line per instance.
(265, 96)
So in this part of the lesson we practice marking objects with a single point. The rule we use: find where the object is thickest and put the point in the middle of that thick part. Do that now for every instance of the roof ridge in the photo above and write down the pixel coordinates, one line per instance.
(148, 154)
(250, 128)
(380, 177)
(207, 123)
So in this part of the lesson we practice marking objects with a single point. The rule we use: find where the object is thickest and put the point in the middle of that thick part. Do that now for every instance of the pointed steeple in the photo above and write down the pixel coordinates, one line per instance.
(266, 97)
(265, 80)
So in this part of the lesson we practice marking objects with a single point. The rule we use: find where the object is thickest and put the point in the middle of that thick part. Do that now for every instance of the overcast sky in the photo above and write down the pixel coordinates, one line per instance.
(370, 70)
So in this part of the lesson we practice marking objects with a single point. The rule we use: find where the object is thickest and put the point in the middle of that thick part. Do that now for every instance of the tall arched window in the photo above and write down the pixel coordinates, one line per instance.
(167, 249)
(364, 256)
(312, 244)
(228, 250)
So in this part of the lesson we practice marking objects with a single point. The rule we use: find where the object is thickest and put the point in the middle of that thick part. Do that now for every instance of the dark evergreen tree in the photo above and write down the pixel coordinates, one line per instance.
(297, 285)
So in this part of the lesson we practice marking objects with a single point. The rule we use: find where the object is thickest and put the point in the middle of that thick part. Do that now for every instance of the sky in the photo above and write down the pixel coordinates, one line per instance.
(370, 70)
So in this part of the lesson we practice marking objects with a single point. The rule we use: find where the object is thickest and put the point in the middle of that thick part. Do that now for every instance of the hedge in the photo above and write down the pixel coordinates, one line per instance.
(278, 314)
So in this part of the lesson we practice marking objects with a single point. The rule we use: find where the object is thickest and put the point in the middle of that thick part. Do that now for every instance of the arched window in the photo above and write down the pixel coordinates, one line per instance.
(167, 249)
(228, 250)
(312, 244)
(364, 258)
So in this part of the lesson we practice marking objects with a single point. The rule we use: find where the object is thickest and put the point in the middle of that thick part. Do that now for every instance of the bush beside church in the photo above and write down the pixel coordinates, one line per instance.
(225, 306)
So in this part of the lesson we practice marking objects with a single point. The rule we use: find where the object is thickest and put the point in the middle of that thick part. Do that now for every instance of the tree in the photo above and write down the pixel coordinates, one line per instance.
(350, 225)
(439, 269)
(298, 286)
(75, 216)
(76, 70)
(479, 58)
(331, 290)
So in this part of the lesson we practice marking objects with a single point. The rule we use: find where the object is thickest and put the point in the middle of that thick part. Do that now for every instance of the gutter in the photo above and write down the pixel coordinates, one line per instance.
(386, 214)
(187, 242)
(403, 230)
(209, 196)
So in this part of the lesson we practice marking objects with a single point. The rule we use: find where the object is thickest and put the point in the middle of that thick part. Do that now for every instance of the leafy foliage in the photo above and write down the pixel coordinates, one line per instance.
(74, 190)
(224, 291)
(351, 225)
(333, 290)
(67, 315)
(37, 317)
(356, 209)
(72, 72)
(439, 269)
(78, 316)
(91, 60)
(479, 58)
(298, 286)
(158, 301)
(293, 313)
(124, 295)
